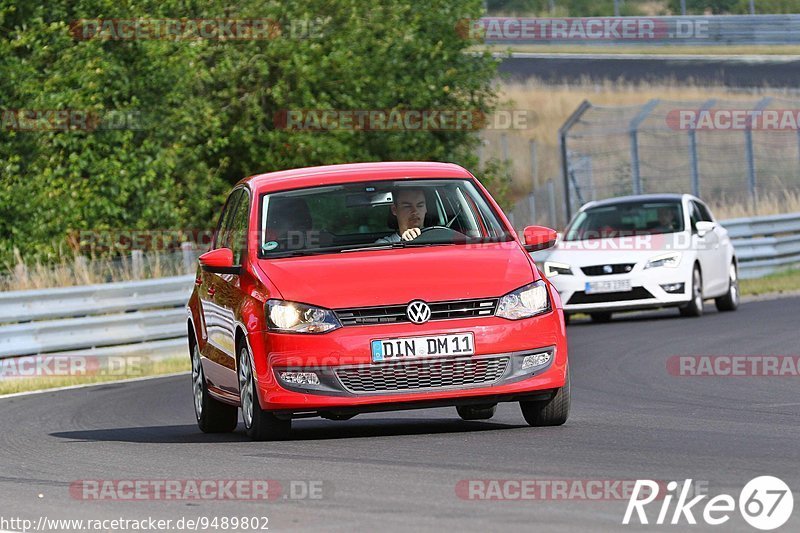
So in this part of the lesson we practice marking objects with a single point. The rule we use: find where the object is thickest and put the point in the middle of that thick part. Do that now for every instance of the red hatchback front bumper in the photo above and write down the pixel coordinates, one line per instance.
(349, 382)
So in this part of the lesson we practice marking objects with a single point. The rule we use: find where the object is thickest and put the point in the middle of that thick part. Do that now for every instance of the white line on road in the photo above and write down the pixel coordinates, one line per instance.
(86, 385)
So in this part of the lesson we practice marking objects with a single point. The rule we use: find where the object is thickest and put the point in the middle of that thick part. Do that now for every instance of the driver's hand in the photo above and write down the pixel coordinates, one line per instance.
(411, 234)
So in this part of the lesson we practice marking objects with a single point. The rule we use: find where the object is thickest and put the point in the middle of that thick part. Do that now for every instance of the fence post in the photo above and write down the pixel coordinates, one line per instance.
(137, 264)
(187, 249)
(693, 162)
(551, 206)
(634, 132)
(748, 150)
(562, 141)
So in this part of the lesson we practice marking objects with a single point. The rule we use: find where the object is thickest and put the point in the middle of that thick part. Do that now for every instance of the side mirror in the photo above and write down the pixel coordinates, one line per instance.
(703, 227)
(539, 238)
(219, 261)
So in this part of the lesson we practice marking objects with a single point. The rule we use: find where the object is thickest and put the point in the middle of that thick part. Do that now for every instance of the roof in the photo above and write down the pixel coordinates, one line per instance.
(353, 172)
(657, 197)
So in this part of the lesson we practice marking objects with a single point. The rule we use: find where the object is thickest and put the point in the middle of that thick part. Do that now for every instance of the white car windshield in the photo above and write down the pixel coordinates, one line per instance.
(625, 220)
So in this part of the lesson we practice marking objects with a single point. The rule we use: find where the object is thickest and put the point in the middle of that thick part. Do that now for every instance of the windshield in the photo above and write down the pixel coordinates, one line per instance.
(349, 217)
(626, 219)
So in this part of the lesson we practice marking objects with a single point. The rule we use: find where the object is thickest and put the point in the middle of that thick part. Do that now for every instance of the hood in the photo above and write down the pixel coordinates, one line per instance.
(617, 250)
(390, 277)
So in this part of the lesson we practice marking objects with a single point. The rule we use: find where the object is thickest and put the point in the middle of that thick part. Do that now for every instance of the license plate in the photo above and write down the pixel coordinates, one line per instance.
(617, 285)
(434, 346)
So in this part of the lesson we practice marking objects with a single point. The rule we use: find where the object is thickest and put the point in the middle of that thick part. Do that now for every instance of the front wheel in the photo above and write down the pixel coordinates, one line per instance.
(730, 301)
(212, 415)
(695, 305)
(258, 424)
(552, 412)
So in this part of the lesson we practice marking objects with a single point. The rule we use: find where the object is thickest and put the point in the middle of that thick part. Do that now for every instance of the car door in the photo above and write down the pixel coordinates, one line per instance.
(229, 293)
(705, 250)
(722, 249)
(217, 350)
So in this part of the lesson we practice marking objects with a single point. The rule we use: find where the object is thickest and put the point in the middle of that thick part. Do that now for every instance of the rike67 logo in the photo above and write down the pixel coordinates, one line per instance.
(765, 503)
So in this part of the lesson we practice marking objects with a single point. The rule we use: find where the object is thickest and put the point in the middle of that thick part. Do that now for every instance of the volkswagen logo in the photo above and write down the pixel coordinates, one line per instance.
(608, 269)
(418, 312)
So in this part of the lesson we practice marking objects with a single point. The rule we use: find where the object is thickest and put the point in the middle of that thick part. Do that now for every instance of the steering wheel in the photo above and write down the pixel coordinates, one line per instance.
(439, 234)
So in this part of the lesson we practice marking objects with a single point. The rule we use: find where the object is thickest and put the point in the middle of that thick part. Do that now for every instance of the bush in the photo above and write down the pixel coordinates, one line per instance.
(206, 108)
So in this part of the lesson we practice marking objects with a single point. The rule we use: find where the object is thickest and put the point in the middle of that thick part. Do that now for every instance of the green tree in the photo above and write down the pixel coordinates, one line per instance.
(207, 107)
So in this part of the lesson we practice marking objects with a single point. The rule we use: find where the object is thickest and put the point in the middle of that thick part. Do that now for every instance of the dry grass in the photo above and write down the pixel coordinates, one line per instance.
(553, 104)
(153, 368)
(79, 270)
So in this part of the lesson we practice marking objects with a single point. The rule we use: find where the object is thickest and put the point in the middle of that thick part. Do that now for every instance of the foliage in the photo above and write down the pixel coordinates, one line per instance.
(205, 109)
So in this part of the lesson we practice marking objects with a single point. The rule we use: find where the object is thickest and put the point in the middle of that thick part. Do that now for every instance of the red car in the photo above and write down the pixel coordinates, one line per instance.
(338, 290)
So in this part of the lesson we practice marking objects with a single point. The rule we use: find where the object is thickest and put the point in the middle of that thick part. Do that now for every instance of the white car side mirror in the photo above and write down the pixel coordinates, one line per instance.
(704, 227)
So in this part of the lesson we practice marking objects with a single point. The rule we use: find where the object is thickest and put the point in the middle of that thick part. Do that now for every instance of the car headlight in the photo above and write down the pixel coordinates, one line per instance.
(292, 317)
(671, 260)
(551, 268)
(525, 302)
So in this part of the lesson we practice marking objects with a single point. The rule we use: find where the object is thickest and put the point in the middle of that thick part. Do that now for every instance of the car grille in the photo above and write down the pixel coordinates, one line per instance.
(397, 313)
(430, 374)
(638, 293)
(597, 270)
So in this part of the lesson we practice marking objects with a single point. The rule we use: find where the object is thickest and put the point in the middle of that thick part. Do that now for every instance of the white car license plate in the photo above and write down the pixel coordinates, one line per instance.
(434, 346)
(617, 285)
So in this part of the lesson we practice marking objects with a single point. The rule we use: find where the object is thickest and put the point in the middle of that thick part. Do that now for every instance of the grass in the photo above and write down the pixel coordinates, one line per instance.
(74, 269)
(151, 368)
(788, 281)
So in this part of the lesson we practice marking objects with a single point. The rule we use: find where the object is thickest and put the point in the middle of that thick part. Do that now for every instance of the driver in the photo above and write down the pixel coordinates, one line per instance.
(666, 218)
(410, 208)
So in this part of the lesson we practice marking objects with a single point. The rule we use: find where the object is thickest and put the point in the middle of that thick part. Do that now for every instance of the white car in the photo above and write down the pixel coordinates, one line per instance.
(642, 252)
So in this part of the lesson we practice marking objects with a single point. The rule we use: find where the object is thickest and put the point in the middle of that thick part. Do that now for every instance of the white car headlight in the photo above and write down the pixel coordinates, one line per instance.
(671, 260)
(525, 302)
(552, 268)
(292, 317)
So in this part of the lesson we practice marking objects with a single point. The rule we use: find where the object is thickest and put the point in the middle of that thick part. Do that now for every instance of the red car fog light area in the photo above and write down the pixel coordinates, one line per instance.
(300, 378)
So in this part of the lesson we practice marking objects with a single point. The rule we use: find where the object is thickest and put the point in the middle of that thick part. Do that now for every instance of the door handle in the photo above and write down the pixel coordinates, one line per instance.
(212, 291)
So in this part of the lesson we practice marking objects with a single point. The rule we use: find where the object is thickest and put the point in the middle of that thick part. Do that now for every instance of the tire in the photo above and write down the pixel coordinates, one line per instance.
(567, 319)
(212, 415)
(259, 425)
(552, 412)
(601, 318)
(730, 301)
(476, 412)
(695, 305)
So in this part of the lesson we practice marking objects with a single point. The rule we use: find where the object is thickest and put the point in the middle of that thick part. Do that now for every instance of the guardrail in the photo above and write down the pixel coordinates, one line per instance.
(765, 244)
(689, 30)
(127, 318)
(148, 317)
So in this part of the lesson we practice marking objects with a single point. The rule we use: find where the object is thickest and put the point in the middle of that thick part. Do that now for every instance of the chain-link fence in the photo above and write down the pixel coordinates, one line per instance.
(726, 152)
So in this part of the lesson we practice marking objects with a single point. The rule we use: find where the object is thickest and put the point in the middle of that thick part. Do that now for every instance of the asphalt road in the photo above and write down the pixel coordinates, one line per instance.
(777, 72)
(630, 419)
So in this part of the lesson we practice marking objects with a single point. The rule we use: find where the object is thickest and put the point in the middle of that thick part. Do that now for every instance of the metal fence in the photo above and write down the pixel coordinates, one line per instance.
(722, 151)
